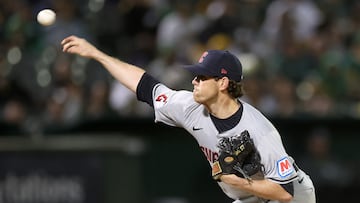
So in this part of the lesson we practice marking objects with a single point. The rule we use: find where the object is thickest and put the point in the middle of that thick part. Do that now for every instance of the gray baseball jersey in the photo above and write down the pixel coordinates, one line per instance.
(178, 108)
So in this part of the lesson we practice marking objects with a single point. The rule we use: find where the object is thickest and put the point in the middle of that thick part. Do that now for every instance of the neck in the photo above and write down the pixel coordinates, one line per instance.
(223, 108)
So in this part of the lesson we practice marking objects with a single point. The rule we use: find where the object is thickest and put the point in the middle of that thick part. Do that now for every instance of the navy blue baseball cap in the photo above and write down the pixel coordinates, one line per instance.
(218, 63)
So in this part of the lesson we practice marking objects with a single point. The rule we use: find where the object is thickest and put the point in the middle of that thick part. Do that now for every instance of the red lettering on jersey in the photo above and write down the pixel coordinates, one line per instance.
(215, 156)
(161, 98)
(210, 155)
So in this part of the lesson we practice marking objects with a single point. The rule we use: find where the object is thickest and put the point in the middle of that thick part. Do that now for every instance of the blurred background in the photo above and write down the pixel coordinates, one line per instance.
(70, 133)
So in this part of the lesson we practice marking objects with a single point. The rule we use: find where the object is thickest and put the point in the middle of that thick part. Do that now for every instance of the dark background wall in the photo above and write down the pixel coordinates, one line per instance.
(137, 160)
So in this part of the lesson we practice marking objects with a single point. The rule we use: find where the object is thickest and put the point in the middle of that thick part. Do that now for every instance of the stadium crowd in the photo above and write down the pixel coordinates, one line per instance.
(301, 58)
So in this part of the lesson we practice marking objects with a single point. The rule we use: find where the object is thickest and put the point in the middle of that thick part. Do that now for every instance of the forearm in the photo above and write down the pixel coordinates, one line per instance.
(127, 74)
(261, 188)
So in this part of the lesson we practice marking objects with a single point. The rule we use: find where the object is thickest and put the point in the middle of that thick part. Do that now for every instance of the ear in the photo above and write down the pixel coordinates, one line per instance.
(224, 83)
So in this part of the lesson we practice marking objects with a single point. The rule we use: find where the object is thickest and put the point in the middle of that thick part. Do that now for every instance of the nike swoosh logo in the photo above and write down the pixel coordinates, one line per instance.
(196, 129)
(301, 180)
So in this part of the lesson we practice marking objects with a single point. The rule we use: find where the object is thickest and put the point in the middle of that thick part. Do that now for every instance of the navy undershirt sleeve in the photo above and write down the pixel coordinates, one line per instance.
(145, 88)
(289, 187)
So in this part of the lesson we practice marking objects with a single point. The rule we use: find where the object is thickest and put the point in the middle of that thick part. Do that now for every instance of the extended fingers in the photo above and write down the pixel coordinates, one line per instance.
(67, 46)
(69, 42)
(68, 39)
(76, 45)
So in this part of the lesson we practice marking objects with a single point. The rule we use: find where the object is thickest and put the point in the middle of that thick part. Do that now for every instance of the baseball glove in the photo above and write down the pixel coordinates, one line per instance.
(237, 155)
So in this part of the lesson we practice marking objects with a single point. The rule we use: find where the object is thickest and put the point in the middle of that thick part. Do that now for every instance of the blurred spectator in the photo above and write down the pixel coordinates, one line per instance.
(320, 105)
(97, 101)
(328, 170)
(121, 99)
(140, 19)
(224, 18)
(293, 59)
(283, 91)
(179, 27)
(65, 100)
(167, 68)
(322, 160)
(307, 53)
(352, 69)
(15, 105)
(63, 108)
(304, 16)
(14, 113)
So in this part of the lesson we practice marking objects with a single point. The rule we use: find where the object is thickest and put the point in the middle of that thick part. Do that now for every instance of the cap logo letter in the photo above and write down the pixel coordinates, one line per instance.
(223, 71)
(203, 56)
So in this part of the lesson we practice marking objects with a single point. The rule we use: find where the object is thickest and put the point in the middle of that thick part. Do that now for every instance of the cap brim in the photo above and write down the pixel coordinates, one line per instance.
(198, 69)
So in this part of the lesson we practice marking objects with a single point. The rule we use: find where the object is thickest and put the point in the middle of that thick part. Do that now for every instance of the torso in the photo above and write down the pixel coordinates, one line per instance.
(181, 110)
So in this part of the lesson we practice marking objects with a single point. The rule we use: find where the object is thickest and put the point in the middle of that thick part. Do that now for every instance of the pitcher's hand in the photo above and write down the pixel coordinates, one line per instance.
(80, 46)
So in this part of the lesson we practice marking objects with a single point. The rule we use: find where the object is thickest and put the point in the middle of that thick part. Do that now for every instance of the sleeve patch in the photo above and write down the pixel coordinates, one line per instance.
(160, 100)
(216, 169)
(284, 167)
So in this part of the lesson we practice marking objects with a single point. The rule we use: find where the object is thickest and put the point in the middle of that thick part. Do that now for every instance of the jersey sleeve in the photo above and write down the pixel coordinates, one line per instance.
(172, 107)
(145, 87)
(277, 164)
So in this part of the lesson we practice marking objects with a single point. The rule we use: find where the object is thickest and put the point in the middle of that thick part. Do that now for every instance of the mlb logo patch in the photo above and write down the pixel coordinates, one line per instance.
(284, 167)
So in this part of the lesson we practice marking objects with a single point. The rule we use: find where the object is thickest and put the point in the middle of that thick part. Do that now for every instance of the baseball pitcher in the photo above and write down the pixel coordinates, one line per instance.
(244, 150)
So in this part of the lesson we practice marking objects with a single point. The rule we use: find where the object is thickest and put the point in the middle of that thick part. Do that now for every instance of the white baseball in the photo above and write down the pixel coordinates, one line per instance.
(46, 17)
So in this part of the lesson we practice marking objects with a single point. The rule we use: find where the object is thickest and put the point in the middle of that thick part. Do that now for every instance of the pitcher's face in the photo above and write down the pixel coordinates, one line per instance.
(206, 89)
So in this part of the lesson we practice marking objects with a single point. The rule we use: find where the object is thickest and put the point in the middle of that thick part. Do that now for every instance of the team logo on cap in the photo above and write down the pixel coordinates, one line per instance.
(201, 59)
(223, 71)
